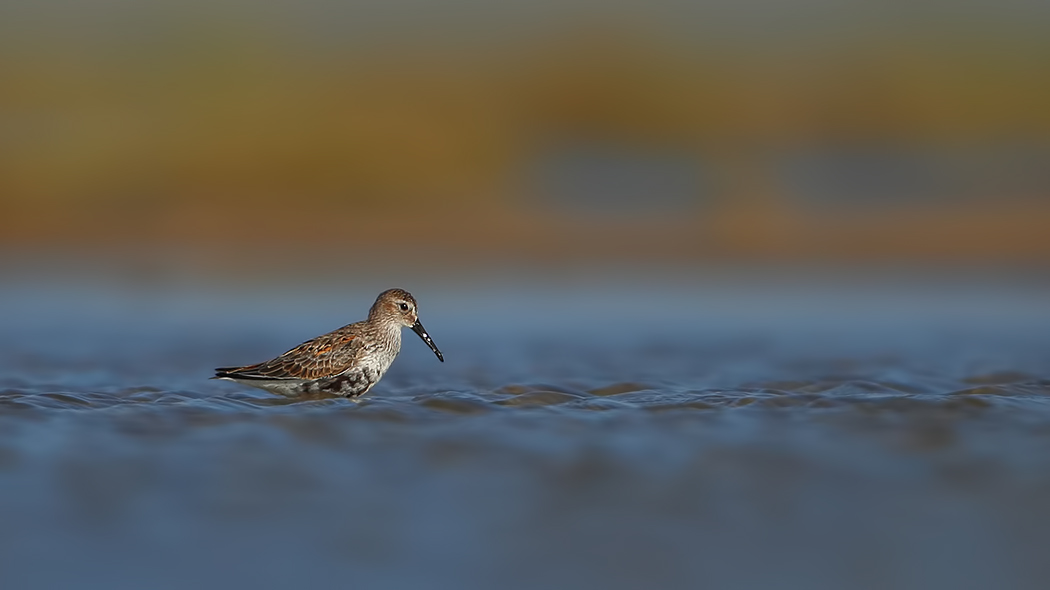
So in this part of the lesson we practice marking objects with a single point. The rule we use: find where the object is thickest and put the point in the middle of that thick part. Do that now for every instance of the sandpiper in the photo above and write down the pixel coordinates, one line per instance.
(347, 361)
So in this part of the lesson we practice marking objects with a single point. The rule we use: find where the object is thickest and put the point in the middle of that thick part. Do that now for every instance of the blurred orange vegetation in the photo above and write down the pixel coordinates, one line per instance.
(237, 136)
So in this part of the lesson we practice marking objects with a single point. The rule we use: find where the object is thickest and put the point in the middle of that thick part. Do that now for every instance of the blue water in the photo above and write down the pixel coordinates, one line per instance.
(676, 428)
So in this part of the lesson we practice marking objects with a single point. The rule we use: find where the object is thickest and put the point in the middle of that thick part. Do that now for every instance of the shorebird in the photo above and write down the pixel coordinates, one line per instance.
(347, 361)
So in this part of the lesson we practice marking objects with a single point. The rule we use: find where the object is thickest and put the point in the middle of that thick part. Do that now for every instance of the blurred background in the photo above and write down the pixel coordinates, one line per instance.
(468, 132)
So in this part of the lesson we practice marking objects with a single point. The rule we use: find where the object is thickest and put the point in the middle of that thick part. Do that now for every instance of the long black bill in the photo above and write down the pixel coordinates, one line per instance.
(419, 329)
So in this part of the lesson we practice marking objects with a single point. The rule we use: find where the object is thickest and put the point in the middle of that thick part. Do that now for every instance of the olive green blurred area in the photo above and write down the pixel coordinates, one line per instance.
(721, 130)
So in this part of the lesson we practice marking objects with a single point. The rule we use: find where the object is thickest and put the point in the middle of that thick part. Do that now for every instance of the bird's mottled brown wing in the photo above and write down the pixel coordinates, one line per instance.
(323, 356)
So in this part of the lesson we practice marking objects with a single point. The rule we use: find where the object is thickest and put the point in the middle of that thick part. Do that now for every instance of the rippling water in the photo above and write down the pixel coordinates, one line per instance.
(661, 433)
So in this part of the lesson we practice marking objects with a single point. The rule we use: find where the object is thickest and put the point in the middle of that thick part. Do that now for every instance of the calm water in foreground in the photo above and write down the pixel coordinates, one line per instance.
(672, 431)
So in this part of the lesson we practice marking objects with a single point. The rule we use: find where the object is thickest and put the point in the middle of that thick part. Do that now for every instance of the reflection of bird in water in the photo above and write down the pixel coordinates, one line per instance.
(347, 361)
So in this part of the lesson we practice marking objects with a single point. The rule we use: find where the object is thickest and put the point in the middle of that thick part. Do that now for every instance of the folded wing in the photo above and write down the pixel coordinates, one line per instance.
(321, 357)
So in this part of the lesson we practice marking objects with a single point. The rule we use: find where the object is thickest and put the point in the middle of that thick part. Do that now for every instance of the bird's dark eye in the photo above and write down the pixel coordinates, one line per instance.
(403, 306)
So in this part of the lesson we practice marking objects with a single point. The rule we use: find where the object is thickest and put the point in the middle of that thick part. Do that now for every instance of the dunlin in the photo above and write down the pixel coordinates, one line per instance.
(347, 361)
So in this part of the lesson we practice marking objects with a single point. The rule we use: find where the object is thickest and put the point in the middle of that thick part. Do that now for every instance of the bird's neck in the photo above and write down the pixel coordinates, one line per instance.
(390, 332)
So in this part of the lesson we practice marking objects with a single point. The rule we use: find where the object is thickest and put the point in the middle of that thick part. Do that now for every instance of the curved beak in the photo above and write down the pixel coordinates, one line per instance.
(419, 329)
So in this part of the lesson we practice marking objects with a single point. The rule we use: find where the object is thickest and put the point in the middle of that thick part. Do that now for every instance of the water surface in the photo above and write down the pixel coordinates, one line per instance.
(667, 431)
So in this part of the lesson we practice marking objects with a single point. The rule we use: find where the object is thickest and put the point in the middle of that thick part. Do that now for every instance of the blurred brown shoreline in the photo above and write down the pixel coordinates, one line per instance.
(243, 137)
(977, 234)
